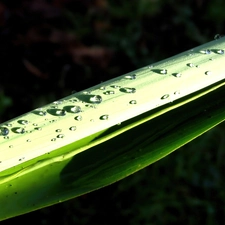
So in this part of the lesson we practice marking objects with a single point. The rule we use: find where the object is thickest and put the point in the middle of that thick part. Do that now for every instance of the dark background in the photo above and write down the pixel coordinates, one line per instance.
(49, 48)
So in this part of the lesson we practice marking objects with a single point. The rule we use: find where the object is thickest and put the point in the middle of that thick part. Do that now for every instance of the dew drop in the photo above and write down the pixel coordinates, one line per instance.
(131, 77)
(133, 102)
(96, 99)
(58, 130)
(78, 118)
(109, 92)
(57, 102)
(38, 128)
(60, 136)
(220, 51)
(42, 113)
(4, 131)
(177, 74)
(11, 146)
(6, 137)
(73, 128)
(115, 86)
(177, 92)
(60, 112)
(53, 139)
(218, 36)
(128, 90)
(165, 96)
(104, 117)
(19, 130)
(208, 73)
(206, 51)
(102, 88)
(28, 140)
(163, 71)
(75, 109)
(190, 65)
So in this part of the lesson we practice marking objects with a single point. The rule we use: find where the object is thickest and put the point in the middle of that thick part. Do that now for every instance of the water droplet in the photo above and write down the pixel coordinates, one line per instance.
(109, 92)
(96, 99)
(163, 71)
(23, 122)
(60, 136)
(11, 146)
(133, 102)
(73, 128)
(53, 139)
(60, 112)
(115, 86)
(42, 113)
(9, 125)
(92, 120)
(19, 130)
(218, 36)
(220, 51)
(4, 131)
(58, 130)
(75, 109)
(177, 74)
(177, 92)
(28, 140)
(38, 128)
(6, 137)
(57, 102)
(78, 118)
(104, 117)
(165, 96)
(131, 77)
(128, 90)
(206, 51)
(208, 73)
(190, 65)
(35, 124)
(102, 88)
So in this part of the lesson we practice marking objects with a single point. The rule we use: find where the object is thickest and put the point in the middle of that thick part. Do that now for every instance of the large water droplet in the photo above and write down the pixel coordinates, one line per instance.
(128, 90)
(206, 51)
(131, 76)
(96, 99)
(60, 112)
(4, 131)
(104, 117)
(75, 109)
(19, 130)
(220, 51)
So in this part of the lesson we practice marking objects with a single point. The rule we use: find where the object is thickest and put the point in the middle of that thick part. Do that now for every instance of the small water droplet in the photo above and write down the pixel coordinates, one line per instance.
(163, 71)
(115, 86)
(28, 140)
(109, 92)
(220, 51)
(128, 90)
(177, 92)
(4, 131)
(78, 118)
(58, 130)
(102, 88)
(60, 112)
(23, 122)
(6, 137)
(53, 139)
(60, 136)
(177, 74)
(38, 128)
(10, 146)
(104, 117)
(57, 102)
(9, 125)
(42, 113)
(133, 102)
(206, 51)
(75, 109)
(208, 73)
(35, 124)
(131, 77)
(96, 99)
(73, 128)
(165, 96)
(190, 65)
(19, 130)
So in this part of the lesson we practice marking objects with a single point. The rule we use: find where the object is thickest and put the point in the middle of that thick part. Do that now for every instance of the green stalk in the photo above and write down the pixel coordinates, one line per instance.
(100, 135)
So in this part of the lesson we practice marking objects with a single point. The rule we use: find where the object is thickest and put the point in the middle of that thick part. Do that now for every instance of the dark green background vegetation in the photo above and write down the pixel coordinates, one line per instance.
(49, 48)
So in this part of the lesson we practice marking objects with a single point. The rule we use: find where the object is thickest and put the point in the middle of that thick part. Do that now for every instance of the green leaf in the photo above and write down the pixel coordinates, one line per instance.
(51, 154)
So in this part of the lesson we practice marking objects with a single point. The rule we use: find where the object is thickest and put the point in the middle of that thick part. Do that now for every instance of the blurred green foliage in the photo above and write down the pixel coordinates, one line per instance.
(50, 47)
